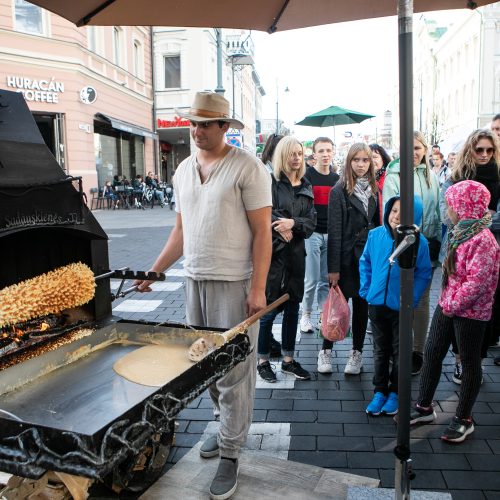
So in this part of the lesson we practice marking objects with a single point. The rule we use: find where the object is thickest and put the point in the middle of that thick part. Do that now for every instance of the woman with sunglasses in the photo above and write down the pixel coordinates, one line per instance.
(478, 160)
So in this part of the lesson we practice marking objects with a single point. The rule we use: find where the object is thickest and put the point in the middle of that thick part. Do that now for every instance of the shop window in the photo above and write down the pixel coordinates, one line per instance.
(172, 72)
(28, 18)
(117, 153)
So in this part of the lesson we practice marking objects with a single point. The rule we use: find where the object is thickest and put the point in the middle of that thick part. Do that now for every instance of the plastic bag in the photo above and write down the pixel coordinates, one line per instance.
(336, 315)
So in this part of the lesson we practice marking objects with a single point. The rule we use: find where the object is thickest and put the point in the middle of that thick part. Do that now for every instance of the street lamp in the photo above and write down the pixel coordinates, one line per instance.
(277, 108)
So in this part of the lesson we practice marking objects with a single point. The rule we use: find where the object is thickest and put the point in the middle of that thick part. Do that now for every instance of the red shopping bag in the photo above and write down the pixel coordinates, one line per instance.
(336, 316)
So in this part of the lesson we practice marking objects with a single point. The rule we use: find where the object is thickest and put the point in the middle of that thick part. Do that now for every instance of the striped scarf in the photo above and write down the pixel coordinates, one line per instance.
(464, 230)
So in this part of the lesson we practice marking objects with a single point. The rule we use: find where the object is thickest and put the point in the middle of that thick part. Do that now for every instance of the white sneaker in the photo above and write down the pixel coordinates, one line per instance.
(325, 361)
(354, 363)
(306, 325)
(320, 322)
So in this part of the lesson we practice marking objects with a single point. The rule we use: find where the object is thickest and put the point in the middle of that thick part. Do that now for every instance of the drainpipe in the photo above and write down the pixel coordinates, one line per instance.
(480, 65)
(220, 88)
(156, 149)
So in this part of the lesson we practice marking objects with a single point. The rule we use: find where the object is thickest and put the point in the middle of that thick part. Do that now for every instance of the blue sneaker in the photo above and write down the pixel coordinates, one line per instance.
(391, 404)
(377, 403)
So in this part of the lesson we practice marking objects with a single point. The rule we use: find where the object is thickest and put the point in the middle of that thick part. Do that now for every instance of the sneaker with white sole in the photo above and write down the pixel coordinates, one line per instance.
(457, 374)
(319, 326)
(306, 325)
(354, 363)
(421, 414)
(325, 361)
(376, 404)
(458, 430)
(293, 368)
(210, 448)
(225, 481)
(391, 404)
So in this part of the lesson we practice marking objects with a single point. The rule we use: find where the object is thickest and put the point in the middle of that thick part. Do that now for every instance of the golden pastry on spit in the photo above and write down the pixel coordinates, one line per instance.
(50, 293)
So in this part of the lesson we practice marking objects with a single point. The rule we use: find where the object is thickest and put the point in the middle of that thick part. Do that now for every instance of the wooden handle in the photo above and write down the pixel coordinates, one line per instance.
(252, 319)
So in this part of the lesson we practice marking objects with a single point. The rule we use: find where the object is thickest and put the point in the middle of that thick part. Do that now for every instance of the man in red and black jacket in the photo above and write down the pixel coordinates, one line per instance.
(323, 178)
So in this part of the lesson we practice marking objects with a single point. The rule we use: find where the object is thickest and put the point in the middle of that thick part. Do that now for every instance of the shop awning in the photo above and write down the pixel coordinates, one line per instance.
(125, 126)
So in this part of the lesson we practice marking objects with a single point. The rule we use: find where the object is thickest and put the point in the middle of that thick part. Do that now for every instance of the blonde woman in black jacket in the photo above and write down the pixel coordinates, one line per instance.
(293, 220)
(352, 212)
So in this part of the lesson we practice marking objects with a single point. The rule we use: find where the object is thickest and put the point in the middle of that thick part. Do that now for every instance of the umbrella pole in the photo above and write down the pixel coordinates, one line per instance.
(403, 467)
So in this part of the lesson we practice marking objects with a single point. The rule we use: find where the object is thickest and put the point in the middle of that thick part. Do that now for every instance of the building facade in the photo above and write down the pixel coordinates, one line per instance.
(457, 75)
(89, 90)
(185, 62)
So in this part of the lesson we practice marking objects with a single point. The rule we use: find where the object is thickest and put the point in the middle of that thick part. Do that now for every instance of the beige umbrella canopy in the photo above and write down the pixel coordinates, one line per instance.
(280, 15)
(263, 15)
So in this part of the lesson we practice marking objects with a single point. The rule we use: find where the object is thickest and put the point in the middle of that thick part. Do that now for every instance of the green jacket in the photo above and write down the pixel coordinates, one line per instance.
(431, 220)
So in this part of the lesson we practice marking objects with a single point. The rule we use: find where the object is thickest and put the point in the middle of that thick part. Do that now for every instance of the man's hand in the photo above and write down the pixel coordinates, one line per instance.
(333, 278)
(447, 314)
(256, 300)
(143, 285)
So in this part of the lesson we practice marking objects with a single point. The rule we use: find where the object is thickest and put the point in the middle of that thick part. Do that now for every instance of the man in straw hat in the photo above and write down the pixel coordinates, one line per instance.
(223, 229)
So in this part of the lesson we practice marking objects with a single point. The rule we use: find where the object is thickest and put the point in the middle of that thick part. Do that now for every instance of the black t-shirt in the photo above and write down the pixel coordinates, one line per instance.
(322, 185)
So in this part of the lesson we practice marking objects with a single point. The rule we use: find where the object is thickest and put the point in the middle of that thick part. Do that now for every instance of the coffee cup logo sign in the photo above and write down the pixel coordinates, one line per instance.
(88, 95)
(42, 90)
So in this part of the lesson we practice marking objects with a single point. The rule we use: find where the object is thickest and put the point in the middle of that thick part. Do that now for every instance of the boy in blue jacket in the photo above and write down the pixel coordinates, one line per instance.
(379, 286)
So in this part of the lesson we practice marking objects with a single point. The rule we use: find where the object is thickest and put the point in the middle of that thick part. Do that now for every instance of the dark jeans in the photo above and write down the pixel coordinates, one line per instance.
(288, 330)
(385, 332)
(469, 334)
(359, 323)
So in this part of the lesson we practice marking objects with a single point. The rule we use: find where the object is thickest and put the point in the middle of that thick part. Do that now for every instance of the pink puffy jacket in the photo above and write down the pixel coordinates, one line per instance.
(470, 290)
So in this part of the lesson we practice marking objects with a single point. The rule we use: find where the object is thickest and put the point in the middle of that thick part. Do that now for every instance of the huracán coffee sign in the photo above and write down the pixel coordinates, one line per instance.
(42, 90)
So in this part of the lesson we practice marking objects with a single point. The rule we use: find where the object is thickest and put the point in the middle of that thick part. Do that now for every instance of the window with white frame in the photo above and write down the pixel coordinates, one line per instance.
(172, 66)
(92, 38)
(118, 45)
(28, 18)
(138, 58)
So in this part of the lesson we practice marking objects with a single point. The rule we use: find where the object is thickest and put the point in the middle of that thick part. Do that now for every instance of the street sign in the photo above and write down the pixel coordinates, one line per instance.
(233, 137)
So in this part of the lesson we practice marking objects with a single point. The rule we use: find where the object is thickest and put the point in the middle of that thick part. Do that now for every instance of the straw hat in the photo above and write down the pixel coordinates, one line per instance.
(210, 107)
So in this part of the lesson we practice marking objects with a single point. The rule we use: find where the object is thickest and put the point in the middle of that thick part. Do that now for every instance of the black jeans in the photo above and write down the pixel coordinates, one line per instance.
(288, 330)
(385, 332)
(469, 334)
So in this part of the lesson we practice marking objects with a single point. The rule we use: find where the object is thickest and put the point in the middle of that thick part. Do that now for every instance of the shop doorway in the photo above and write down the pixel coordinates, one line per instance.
(51, 126)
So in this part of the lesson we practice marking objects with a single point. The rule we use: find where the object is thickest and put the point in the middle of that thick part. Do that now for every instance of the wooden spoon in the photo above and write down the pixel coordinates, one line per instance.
(203, 346)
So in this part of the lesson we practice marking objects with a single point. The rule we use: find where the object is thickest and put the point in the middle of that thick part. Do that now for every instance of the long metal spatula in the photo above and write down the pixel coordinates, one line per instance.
(203, 346)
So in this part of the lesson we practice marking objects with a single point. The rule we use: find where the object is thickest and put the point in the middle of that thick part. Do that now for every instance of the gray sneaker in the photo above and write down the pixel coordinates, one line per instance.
(210, 448)
(225, 481)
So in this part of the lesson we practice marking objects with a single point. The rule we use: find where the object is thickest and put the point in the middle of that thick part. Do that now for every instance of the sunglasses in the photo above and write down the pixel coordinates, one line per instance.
(481, 151)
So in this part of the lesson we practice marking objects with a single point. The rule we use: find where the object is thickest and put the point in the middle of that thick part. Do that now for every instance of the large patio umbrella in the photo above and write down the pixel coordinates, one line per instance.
(263, 15)
(333, 116)
(274, 15)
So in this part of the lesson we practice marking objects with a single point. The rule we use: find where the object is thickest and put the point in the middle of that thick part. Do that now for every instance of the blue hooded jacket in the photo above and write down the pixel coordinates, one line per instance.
(379, 281)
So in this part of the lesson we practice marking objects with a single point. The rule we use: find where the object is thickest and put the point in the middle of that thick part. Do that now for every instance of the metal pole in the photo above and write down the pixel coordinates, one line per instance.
(277, 111)
(156, 145)
(218, 38)
(234, 100)
(403, 471)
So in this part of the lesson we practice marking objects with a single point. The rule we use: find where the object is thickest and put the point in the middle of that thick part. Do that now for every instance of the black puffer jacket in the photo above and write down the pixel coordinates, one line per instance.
(286, 274)
(348, 226)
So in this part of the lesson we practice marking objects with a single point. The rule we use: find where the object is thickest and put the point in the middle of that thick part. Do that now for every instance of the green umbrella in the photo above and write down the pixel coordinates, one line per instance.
(332, 116)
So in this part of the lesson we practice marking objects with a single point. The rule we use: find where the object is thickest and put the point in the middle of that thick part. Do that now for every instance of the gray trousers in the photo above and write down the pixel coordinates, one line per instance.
(222, 304)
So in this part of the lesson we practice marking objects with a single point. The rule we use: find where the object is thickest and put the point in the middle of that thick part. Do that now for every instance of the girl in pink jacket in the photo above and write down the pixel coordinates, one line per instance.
(470, 275)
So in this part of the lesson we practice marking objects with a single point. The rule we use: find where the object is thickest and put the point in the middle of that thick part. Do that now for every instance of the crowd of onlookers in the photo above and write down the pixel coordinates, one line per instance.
(332, 230)
(138, 193)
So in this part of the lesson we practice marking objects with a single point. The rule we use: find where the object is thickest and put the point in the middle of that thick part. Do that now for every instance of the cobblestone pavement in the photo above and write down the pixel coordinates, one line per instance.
(322, 421)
